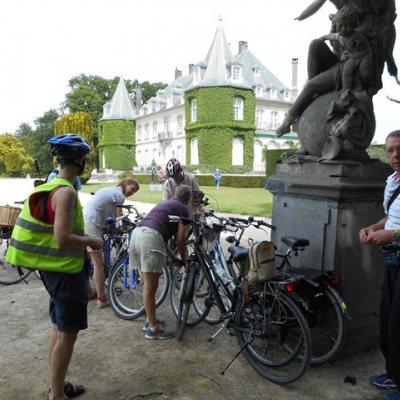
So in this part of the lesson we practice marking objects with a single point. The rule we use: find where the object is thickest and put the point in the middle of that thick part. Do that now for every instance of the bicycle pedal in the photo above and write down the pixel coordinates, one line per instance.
(226, 316)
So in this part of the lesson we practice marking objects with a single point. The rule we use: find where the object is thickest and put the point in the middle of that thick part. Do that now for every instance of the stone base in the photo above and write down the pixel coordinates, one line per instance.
(328, 204)
(154, 187)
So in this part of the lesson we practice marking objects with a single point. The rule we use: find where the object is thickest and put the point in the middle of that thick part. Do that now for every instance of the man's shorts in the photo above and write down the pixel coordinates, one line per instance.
(68, 298)
(147, 250)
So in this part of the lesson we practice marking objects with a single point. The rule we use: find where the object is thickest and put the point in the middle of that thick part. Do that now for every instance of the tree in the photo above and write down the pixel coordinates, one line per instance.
(14, 161)
(79, 123)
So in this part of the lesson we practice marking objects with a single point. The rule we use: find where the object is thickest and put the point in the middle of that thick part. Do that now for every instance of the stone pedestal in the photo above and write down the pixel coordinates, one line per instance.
(328, 204)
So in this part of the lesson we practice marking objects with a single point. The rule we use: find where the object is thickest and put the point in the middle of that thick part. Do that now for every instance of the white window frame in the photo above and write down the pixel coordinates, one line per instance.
(260, 118)
(236, 72)
(179, 123)
(146, 131)
(193, 110)
(139, 133)
(155, 130)
(238, 105)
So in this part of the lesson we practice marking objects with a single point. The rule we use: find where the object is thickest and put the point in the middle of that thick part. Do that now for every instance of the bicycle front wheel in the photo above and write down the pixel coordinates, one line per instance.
(274, 335)
(125, 290)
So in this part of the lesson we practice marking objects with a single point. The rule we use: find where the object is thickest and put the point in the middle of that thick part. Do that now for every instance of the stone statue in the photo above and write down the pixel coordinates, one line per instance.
(334, 110)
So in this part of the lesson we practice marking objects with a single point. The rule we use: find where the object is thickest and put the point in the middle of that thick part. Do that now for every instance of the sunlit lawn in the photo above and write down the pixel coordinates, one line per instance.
(254, 201)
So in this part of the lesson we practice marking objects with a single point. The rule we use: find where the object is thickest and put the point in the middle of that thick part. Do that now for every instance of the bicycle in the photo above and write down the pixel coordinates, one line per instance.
(271, 330)
(125, 283)
(9, 274)
(324, 309)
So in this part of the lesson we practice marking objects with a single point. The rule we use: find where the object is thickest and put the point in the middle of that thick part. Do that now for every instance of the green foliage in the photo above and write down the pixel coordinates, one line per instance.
(14, 161)
(79, 123)
(377, 151)
(117, 145)
(272, 157)
(216, 127)
(126, 175)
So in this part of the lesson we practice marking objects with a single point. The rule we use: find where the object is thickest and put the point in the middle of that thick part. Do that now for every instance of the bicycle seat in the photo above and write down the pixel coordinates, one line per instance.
(239, 253)
(295, 242)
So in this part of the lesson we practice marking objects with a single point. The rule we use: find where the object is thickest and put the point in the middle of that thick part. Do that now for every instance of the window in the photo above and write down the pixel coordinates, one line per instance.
(170, 100)
(260, 119)
(146, 132)
(166, 126)
(179, 121)
(155, 130)
(259, 90)
(274, 120)
(273, 93)
(196, 75)
(286, 95)
(193, 108)
(238, 108)
(257, 71)
(236, 73)
(237, 151)
(139, 133)
(194, 151)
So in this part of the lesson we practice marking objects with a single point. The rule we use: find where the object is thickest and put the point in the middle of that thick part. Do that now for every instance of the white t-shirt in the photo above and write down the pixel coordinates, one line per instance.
(393, 221)
(102, 205)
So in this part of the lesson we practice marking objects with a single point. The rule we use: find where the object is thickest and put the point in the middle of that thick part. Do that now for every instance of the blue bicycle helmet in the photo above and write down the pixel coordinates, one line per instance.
(68, 146)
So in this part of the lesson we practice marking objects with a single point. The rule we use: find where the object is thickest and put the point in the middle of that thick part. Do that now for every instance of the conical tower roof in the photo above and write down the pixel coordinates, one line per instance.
(121, 106)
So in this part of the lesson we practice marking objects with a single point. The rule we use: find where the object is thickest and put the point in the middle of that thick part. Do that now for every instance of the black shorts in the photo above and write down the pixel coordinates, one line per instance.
(68, 298)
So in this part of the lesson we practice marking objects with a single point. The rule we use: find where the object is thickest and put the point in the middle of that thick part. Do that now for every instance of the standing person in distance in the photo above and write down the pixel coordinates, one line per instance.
(53, 174)
(49, 236)
(217, 177)
(385, 232)
(100, 206)
(148, 250)
(176, 177)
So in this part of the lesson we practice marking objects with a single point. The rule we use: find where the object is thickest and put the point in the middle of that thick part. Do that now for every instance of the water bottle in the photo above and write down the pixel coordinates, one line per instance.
(226, 279)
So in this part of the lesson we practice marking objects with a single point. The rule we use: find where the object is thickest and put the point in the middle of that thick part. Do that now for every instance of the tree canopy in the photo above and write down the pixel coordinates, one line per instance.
(14, 160)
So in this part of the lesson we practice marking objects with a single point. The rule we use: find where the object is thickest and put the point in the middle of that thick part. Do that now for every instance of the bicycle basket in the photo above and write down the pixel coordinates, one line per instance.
(210, 236)
(8, 215)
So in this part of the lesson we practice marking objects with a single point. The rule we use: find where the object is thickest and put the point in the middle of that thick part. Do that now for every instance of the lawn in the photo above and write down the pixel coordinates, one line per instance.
(253, 201)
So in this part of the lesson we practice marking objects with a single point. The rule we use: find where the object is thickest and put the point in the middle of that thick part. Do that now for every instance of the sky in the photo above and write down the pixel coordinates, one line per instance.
(47, 42)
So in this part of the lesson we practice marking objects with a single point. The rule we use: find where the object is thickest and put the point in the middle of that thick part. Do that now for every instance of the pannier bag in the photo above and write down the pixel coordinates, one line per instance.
(260, 262)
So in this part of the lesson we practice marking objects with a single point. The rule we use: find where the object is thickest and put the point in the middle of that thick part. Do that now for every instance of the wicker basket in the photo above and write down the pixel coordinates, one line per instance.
(8, 215)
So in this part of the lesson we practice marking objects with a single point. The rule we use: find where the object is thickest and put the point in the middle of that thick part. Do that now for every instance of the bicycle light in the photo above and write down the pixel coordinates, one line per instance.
(290, 286)
(333, 280)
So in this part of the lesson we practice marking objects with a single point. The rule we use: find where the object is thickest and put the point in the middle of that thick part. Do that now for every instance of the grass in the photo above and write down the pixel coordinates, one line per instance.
(253, 201)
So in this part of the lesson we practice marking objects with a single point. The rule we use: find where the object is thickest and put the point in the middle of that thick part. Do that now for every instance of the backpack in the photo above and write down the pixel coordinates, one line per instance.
(38, 182)
(260, 262)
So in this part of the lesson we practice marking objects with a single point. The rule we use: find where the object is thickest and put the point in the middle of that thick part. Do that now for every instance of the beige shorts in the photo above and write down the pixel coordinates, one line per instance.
(93, 230)
(147, 250)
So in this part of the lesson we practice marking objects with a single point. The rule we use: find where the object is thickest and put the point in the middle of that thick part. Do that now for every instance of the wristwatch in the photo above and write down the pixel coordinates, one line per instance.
(396, 235)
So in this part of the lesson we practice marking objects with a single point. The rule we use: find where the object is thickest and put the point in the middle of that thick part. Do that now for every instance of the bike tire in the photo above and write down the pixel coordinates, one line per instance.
(328, 327)
(274, 335)
(125, 290)
(185, 301)
(10, 274)
(193, 317)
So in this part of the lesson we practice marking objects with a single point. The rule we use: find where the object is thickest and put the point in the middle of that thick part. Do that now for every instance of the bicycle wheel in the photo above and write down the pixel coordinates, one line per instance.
(274, 335)
(193, 318)
(185, 299)
(125, 290)
(328, 326)
(10, 274)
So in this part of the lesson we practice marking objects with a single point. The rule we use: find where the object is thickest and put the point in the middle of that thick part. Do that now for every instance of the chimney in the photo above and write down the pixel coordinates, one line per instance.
(138, 96)
(190, 68)
(178, 73)
(242, 46)
(295, 91)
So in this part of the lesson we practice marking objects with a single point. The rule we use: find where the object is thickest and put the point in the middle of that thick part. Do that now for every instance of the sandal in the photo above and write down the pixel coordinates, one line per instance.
(72, 391)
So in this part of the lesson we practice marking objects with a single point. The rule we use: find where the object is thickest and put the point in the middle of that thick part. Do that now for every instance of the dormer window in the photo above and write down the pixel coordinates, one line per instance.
(170, 100)
(157, 106)
(273, 93)
(259, 90)
(286, 95)
(196, 75)
(257, 71)
(236, 72)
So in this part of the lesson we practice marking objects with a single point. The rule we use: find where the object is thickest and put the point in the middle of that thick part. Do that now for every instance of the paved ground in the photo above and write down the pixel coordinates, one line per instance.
(114, 360)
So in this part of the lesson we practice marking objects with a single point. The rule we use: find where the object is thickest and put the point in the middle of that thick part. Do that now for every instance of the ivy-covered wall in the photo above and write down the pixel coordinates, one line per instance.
(215, 127)
(117, 144)
(271, 158)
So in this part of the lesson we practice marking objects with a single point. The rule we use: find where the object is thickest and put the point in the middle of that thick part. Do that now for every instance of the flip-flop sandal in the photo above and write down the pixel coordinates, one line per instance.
(72, 391)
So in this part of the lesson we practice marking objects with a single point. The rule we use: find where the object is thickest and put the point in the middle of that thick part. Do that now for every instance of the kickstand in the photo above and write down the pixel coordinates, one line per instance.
(224, 325)
(237, 355)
